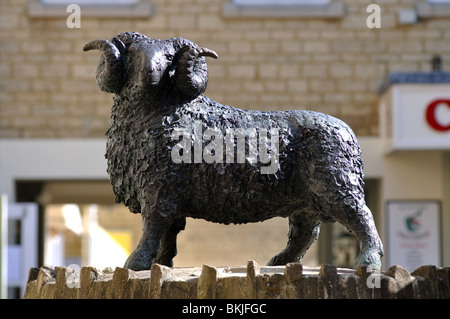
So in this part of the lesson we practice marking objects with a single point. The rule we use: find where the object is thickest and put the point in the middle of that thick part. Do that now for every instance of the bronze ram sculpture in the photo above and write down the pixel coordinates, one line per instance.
(315, 175)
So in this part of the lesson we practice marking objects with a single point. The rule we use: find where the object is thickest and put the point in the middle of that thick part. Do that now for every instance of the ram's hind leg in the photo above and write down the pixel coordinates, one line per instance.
(302, 233)
(168, 246)
(361, 223)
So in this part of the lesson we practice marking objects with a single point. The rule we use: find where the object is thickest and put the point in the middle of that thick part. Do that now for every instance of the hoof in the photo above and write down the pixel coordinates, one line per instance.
(282, 259)
(370, 259)
(138, 261)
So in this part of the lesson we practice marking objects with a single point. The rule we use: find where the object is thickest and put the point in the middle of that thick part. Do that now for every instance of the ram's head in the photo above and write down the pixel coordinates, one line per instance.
(175, 67)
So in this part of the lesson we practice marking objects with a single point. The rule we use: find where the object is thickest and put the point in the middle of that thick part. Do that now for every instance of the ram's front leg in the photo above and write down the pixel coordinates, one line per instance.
(168, 246)
(146, 251)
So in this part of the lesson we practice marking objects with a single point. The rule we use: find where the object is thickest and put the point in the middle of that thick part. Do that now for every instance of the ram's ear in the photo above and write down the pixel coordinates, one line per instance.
(110, 71)
(191, 76)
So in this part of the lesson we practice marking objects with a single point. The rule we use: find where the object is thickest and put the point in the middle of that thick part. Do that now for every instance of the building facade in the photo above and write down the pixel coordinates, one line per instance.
(345, 58)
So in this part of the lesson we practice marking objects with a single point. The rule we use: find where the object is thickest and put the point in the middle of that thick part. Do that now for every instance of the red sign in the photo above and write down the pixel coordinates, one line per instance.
(431, 115)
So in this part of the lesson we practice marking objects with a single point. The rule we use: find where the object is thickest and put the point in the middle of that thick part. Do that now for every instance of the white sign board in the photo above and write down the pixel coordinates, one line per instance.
(416, 117)
(414, 237)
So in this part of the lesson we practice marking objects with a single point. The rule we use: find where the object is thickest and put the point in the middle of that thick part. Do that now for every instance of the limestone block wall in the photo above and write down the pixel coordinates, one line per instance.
(332, 65)
(252, 282)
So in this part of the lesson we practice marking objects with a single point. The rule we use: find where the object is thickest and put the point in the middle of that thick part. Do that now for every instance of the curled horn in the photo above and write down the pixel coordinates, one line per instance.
(191, 76)
(110, 70)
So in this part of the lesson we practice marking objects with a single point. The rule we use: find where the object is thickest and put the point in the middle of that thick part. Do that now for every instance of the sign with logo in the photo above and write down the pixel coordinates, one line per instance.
(416, 117)
(414, 237)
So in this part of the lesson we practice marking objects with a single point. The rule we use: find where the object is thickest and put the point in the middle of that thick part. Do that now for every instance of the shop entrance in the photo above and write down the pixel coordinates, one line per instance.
(80, 224)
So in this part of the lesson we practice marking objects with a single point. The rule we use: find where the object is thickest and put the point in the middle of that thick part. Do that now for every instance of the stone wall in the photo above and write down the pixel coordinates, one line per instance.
(328, 64)
(251, 282)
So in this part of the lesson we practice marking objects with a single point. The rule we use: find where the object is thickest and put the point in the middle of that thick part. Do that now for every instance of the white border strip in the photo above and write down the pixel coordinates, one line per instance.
(34, 159)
